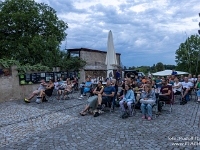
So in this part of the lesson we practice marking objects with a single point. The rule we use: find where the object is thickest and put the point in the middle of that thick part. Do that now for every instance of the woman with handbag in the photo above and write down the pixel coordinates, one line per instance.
(148, 99)
(128, 99)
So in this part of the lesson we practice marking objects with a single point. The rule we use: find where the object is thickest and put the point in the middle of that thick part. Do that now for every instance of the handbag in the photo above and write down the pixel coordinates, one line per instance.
(149, 101)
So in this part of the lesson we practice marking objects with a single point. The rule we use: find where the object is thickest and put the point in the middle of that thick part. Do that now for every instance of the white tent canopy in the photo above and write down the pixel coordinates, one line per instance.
(168, 72)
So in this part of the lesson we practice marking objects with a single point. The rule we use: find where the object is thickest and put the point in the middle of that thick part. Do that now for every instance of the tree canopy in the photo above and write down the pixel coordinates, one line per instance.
(29, 31)
(188, 55)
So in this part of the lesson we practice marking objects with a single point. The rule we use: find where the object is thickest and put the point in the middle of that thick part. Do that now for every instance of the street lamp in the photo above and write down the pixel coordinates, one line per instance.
(199, 25)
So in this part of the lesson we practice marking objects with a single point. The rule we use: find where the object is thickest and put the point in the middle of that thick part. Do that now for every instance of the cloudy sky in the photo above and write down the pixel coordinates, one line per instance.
(145, 32)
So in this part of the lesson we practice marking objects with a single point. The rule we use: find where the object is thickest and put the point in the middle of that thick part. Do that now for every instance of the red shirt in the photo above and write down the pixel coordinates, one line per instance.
(164, 89)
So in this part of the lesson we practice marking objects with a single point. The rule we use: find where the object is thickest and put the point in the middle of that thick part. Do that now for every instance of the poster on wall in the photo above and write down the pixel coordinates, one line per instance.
(35, 78)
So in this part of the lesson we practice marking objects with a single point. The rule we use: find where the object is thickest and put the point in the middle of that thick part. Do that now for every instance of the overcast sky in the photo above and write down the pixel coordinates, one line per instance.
(145, 32)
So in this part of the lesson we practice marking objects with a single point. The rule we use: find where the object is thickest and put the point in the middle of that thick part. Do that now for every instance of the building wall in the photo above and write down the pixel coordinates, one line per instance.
(10, 89)
(95, 64)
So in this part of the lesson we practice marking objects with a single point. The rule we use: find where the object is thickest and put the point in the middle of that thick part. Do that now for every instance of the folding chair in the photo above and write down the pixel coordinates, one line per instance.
(178, 96)
(155, 106)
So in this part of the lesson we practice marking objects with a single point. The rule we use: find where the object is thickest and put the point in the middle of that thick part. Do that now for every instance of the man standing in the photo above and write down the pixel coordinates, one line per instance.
(117, 77)
(174, 72)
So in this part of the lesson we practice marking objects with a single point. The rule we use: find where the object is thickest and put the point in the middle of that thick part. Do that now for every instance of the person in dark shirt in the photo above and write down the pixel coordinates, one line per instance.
(108, 94)
(117, 77)
(165, 94)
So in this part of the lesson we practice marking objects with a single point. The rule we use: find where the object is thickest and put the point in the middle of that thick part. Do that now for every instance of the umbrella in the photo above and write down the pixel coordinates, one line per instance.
(111, 55)
(168, 72)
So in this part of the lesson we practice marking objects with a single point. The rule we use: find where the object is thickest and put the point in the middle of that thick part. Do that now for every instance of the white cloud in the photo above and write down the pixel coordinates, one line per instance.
(141, 28)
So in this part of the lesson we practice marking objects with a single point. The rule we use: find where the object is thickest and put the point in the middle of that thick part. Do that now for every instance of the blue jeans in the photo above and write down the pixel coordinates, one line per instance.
(198, 93)
(84, 90)
(147, 107)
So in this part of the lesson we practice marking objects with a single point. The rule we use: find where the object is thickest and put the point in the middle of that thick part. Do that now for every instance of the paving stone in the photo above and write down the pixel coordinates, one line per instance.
(58, 125)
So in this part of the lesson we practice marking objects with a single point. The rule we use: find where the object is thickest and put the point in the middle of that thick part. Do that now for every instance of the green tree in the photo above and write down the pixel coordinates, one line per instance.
(30, 32)
(159, 66)
(188, 55)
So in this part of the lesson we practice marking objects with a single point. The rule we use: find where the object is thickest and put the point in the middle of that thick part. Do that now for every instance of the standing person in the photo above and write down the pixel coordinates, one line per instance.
(118, 76)
(174, 72)
(36, 92)
(148, 98)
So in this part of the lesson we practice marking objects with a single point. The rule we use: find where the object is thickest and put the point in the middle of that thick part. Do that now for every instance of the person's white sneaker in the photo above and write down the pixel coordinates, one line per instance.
(81, 96)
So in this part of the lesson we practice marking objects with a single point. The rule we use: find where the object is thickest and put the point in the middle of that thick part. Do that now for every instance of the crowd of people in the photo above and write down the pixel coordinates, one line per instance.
(62, 88)
(151, 90)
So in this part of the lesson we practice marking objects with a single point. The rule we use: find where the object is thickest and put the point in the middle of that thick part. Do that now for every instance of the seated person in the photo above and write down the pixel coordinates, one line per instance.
(56, 85)
(92, 101)
(177, 87)
(122, 89)
(165, 94)
(186, 89)
(148, 98)
(62, 86)
(67, 89)
(60, 83)
(86, 87)
(108, 94)
(113, 82)
(48, 91)
(75, 82)
(191, 80)
(36, 92)
(197, 87)
(159, 83)
(128, 99)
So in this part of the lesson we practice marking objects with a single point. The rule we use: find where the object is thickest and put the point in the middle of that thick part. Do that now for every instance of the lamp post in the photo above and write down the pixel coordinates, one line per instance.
(188, 53)
(199, 25)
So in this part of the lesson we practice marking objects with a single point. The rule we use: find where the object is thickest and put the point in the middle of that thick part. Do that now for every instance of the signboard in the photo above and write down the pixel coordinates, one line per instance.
(35, 78)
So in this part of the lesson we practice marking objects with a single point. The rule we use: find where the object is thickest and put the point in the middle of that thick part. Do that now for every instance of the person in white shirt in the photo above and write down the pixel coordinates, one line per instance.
(56, 84)
(177, 87)
(186, 88)
(191, 80)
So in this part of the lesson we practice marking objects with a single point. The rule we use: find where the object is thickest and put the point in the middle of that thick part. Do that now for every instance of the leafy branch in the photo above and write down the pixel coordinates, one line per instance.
(22, 69)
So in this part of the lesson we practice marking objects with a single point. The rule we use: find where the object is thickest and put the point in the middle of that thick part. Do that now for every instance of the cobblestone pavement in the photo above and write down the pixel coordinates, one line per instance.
(58, 125)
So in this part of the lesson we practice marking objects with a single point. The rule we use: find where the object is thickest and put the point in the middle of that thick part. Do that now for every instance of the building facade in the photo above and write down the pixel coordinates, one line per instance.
(95, 60)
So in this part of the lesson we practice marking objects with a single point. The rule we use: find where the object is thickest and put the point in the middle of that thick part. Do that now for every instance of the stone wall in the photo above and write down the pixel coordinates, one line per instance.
(95, 64)
(10, 89)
